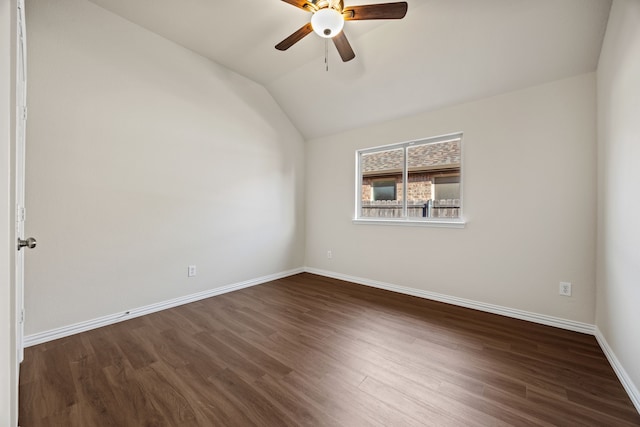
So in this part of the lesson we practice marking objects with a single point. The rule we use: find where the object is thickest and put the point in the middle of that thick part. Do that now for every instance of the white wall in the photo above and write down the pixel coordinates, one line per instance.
(529, 197)
(8, 375)
(618, 278)
(144, 158)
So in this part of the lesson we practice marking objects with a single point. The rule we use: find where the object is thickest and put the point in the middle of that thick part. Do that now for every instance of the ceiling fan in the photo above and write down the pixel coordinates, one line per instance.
(328, 18)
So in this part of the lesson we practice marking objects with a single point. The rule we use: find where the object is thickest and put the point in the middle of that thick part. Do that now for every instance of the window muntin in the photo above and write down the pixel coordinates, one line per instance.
(431, 169)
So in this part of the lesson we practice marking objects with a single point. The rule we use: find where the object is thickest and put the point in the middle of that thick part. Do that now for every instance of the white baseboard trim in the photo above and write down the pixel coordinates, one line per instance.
(477, 305)
(65, 331)
(627, 383)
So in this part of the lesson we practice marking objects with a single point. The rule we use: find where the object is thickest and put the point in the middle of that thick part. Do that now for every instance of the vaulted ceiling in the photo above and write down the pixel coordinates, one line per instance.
(444, 52)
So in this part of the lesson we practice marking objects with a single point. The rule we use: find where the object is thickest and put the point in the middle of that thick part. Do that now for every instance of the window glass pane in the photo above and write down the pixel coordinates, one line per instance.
(381, 192)
(426, 165)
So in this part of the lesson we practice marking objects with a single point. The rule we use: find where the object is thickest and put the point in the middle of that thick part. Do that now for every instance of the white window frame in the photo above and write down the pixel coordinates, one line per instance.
(404, 220)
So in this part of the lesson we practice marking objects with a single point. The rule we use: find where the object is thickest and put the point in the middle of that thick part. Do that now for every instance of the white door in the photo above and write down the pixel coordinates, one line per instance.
(21, 124)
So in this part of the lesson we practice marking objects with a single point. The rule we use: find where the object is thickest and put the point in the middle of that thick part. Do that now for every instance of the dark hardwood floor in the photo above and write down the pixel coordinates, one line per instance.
(308, 350)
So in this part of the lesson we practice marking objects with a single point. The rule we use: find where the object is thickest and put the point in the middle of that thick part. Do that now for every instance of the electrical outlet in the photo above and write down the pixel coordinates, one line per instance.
(329, 254)
(191, 272)
(565, 289)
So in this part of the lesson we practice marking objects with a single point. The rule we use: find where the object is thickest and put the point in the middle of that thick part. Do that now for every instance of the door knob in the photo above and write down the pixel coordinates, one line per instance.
(29, 243)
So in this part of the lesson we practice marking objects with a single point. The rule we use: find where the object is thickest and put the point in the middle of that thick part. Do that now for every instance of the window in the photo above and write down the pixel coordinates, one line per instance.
(447, 187)
(384, 190)
(411, 181)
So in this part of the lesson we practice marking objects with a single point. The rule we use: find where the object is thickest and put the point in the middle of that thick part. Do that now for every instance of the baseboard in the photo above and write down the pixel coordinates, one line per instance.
(99, 322)
(627, 383)
(543, 319)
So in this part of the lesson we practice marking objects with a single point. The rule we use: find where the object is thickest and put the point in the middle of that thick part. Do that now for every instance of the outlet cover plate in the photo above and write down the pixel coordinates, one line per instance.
(565, 289)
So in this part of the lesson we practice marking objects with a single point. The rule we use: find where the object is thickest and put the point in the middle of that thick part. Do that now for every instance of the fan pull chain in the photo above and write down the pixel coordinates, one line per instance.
(326, 54)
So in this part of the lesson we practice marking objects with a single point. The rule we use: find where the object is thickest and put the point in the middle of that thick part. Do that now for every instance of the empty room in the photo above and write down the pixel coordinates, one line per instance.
(321, 213)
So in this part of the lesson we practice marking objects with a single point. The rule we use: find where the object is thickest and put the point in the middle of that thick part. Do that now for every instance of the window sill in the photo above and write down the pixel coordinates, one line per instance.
(443, 223)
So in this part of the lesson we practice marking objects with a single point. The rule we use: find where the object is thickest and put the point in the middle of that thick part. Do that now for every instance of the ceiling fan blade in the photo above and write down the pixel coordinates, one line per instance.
(343, 46)
(375, 11)
(295, 37)
(302, 4)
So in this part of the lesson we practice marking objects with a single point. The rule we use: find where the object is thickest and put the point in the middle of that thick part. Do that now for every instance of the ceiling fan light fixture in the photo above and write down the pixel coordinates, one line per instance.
(327, 22)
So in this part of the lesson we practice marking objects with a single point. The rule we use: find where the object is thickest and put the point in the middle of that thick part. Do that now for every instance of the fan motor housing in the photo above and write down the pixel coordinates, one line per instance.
(327, 22)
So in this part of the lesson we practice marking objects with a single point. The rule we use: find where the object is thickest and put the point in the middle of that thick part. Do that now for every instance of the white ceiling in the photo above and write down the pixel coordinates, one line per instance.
(442, 53)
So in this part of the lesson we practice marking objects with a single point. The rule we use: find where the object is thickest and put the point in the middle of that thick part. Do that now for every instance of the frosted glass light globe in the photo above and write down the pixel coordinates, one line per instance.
(327, 22)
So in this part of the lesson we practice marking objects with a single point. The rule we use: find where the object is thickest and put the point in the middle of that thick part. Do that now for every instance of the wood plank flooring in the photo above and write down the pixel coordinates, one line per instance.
(312, 351)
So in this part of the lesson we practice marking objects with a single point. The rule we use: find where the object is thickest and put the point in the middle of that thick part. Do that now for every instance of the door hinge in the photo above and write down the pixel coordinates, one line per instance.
(24, 113)
(22, 316)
